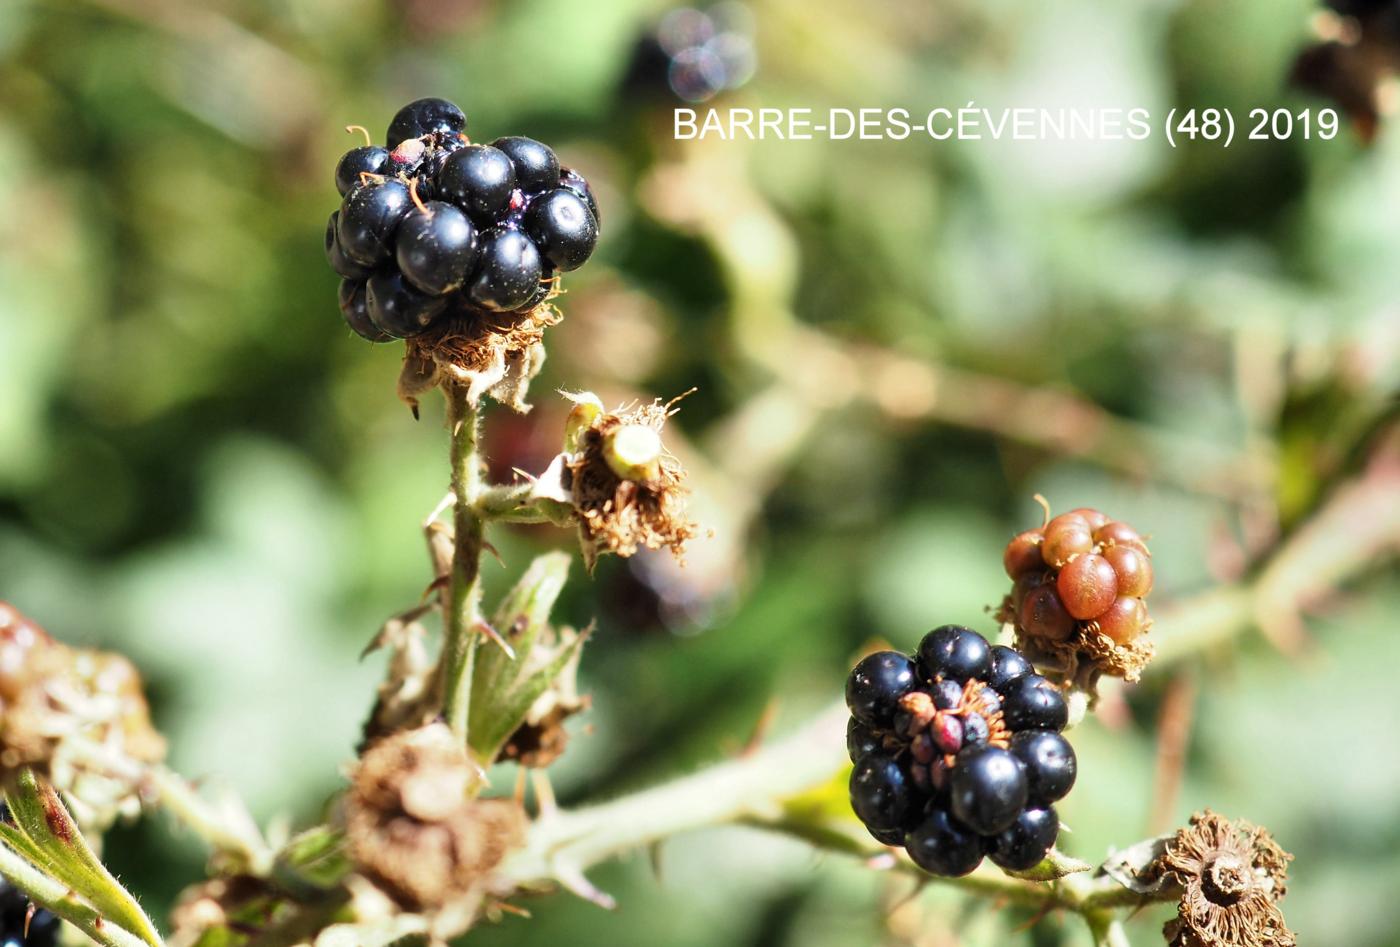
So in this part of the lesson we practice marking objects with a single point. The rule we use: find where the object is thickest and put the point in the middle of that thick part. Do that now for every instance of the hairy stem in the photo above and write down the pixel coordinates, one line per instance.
(752, 790)
(55, 896)
(732, 791)
(464, 601)
(1107, 930)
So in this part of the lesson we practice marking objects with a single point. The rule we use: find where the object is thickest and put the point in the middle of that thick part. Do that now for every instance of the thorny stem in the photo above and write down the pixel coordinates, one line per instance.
(564, 843)
(1348, 535)
(1356, 530)
(55, 896)
(750, 791)
(514, 503)
(464, 600)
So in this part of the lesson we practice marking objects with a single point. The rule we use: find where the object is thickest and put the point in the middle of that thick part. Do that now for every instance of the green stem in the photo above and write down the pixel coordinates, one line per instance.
(753, 790)
(464, 602)
(1107, 930)
(55, 896)
(747, 787)
(234, 836)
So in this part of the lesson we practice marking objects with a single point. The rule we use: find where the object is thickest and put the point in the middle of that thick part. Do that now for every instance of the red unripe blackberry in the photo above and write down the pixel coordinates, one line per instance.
(1022, 554)
(947, 733)
(1093, 517)
(1117, 533)
(1091, 579)
(1066, 536)
(1087, 585)
(1124, 620)
(1025, 585)
(1133, 568)
(1043, 615)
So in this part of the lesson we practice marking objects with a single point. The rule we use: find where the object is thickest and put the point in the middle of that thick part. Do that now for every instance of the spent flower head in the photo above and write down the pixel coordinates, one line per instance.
(628, 491)
(412, 827)
(1232, 876)
(76, 716)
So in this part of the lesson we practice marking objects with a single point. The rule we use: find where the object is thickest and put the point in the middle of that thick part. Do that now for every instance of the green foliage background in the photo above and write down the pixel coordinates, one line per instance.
(201, 467)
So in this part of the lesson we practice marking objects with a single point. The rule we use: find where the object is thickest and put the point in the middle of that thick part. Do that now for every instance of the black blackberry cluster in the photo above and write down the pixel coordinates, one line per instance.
(957, 753)
(17, 927)
(433, 225)
(694, 54)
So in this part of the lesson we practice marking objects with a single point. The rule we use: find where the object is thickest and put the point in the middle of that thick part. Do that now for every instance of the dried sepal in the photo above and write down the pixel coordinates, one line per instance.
(1079, 662)
(1232, 876)
(629, 492)
(413, 830)
(76, 716)
(408, 697)
(489, 353)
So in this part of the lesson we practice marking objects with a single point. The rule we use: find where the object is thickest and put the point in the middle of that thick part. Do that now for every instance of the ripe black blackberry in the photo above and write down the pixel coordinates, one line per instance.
(957, 753)
(434, 229)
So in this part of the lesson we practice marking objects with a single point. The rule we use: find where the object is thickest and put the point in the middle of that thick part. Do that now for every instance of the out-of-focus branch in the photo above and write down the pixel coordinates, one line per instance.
(1173, 738)
(1355, 530)
(908, 390)
(760, 259)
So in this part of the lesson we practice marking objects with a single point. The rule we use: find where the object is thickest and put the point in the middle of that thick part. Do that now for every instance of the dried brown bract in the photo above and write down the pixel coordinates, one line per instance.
(1232, 875)
(491, 353)
(76, 716)
(627, 490)
(411, 827)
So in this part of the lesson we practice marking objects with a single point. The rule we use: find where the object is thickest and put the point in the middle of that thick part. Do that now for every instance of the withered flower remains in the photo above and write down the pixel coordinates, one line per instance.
(1232, 875)
(629, 492)
(412, 828)
(76, 716)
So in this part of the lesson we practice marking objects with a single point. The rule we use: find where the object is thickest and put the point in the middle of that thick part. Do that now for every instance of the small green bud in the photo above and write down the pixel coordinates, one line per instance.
(587, 408)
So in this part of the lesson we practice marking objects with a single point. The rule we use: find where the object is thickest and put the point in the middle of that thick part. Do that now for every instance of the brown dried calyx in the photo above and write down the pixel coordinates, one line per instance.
(490, 353)
(65, 712)
(1232, 876)
(629, 492)
(413, 830)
